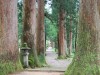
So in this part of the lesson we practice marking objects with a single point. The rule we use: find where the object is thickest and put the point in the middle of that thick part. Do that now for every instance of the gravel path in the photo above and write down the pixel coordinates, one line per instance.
(52, 60)
(56, 67)
(38, 73)
(55, 64)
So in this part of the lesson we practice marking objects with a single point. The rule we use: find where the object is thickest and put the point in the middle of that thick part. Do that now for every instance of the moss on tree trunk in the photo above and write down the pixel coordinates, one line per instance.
(29, 31)
(9, 67)
(85, 61)
(62, 44)
(40, 36)
(9, 54)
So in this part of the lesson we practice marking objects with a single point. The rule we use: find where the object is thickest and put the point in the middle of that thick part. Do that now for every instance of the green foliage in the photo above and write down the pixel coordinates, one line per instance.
(20, 26)
(61, 57)
(71, 7)
(9, 67)
(42, 60)
(51, 30)
(84, 65)
(71, 26)
(31, 61)
(41, 63)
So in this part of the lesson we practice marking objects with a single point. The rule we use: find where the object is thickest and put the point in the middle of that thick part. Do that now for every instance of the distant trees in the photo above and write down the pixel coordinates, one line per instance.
(9, 54)
(66, 24)
(86, 59)
(20, 20)
(70, 37)
(64, 18)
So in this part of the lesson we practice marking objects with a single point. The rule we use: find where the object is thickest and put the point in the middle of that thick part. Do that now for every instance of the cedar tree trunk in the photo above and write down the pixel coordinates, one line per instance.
(29, 30)
(40, 44)
(70, 38)
(61, 34)
(9, 54)
(86, 59)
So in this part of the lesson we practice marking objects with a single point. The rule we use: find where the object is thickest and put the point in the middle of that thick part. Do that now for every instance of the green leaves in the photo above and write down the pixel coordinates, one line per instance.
(20, 5)
(51, 30)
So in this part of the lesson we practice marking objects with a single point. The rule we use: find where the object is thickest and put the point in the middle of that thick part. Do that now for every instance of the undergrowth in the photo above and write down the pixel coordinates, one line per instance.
(9, 67)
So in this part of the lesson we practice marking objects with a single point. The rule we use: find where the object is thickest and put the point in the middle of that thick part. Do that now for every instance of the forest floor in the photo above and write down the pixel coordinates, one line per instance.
(55, 66)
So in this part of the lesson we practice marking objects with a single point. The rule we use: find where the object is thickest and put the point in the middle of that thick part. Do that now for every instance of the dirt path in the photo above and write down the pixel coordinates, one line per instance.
(56, 67)
(55, 64)
(52, 60)
(39, 73)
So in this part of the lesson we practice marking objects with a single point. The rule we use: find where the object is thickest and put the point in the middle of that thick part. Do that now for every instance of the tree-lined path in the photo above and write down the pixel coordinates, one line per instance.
(70, 28)
(54, 63)
(55, 66)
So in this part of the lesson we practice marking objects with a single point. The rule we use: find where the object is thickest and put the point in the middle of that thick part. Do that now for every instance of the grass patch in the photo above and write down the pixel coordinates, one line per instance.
(42, 60)
(62, 57)
(9, 67)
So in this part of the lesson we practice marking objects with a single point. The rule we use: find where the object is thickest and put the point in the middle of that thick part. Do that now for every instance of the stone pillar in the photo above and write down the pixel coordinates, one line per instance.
(25, 54)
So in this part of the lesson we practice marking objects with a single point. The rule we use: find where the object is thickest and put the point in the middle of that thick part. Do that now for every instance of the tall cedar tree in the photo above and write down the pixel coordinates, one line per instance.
(40, 44)
(9, 54)
(70, 37)
(62, 31)
(98, 28)
(29, 30)
(86, 61)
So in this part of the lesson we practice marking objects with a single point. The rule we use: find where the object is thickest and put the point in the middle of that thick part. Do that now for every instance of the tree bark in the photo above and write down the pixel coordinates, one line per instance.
(40, 41)
(9, 53)
(29, 29)
(98, 28)
(62, 34)
(70, 38)
(85, 61)
(40, 28)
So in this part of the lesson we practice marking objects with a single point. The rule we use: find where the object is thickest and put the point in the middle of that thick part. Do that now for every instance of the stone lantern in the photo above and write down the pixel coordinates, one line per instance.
(25, 52)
